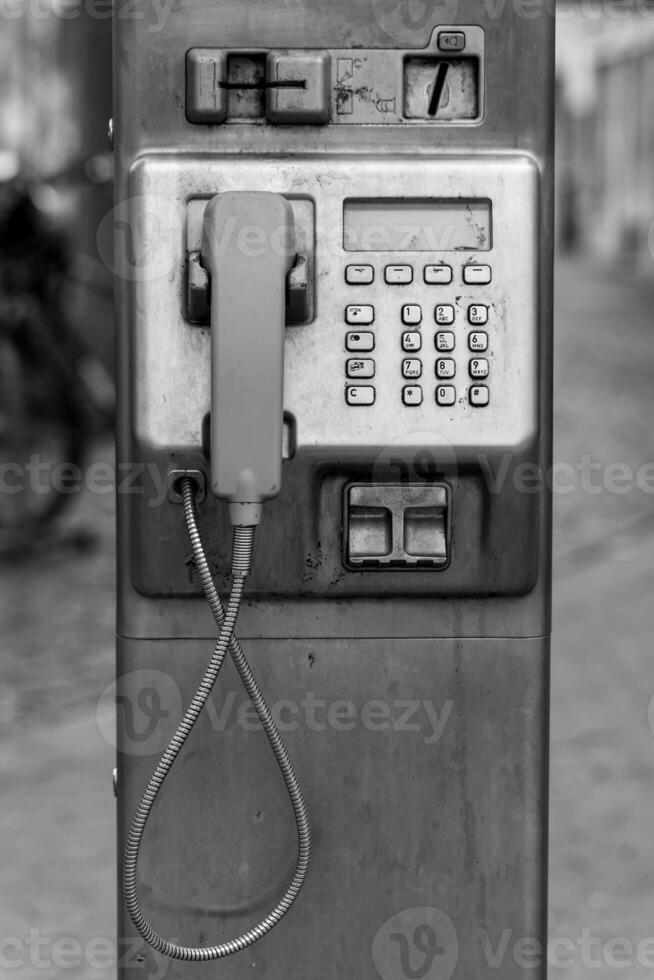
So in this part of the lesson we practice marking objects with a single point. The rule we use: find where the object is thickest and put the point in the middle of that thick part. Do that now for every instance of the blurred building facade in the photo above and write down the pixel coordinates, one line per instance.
(605, 129)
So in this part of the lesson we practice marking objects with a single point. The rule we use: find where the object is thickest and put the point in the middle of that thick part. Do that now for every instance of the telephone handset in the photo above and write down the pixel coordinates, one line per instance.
(248, 250)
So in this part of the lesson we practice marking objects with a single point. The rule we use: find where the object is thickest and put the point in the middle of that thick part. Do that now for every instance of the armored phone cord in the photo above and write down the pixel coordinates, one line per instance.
(243, 549)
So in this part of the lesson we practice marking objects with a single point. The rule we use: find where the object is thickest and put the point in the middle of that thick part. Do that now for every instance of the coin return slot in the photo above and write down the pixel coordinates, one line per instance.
(397, 526)
(424, 533)
(371, 532)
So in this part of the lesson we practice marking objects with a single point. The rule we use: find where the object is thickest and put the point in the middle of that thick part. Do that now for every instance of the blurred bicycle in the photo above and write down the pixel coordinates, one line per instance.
(55, 395)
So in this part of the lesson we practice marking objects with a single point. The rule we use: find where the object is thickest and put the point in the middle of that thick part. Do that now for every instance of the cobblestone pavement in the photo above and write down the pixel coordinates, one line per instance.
(57, 845)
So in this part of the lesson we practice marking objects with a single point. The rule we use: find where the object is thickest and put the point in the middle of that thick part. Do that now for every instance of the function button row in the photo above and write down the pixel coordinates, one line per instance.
(360, 342)
(360, 368)
(434, 275)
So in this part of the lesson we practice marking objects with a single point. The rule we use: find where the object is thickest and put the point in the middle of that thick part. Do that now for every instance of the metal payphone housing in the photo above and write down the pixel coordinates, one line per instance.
(410, 814)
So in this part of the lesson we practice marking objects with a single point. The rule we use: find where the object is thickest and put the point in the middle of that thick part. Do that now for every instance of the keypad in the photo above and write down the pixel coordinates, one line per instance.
(399, 275)
(359, 275)
(362, 368)
(456, 321)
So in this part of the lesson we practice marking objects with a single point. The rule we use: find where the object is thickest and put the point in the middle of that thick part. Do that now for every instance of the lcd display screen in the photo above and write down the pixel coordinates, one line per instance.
(418, 225)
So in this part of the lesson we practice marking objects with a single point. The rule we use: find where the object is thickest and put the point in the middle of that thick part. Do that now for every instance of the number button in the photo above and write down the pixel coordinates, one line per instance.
(412, 395)
(445, 341)
(478, 341)
(411, 315)
(360, 341)
(446, 394)
(363, 395)
(411, 341)
(444, 314)
(445, 367)
(479, 396)
(359, 275)
(479, 368)
(412, 368)
(398, 275)
(478, 315)
(477, 275)
(438, 275)
(364, 368)
(360, 314)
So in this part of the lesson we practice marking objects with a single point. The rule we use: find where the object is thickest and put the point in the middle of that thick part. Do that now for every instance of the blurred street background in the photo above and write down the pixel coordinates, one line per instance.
(57, 847)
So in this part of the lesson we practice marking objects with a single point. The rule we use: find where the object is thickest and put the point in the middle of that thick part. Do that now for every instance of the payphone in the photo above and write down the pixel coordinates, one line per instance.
(333, 266)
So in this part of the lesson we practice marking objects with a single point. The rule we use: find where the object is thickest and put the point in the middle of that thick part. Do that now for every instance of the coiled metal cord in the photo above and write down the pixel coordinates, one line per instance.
(226, 622)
